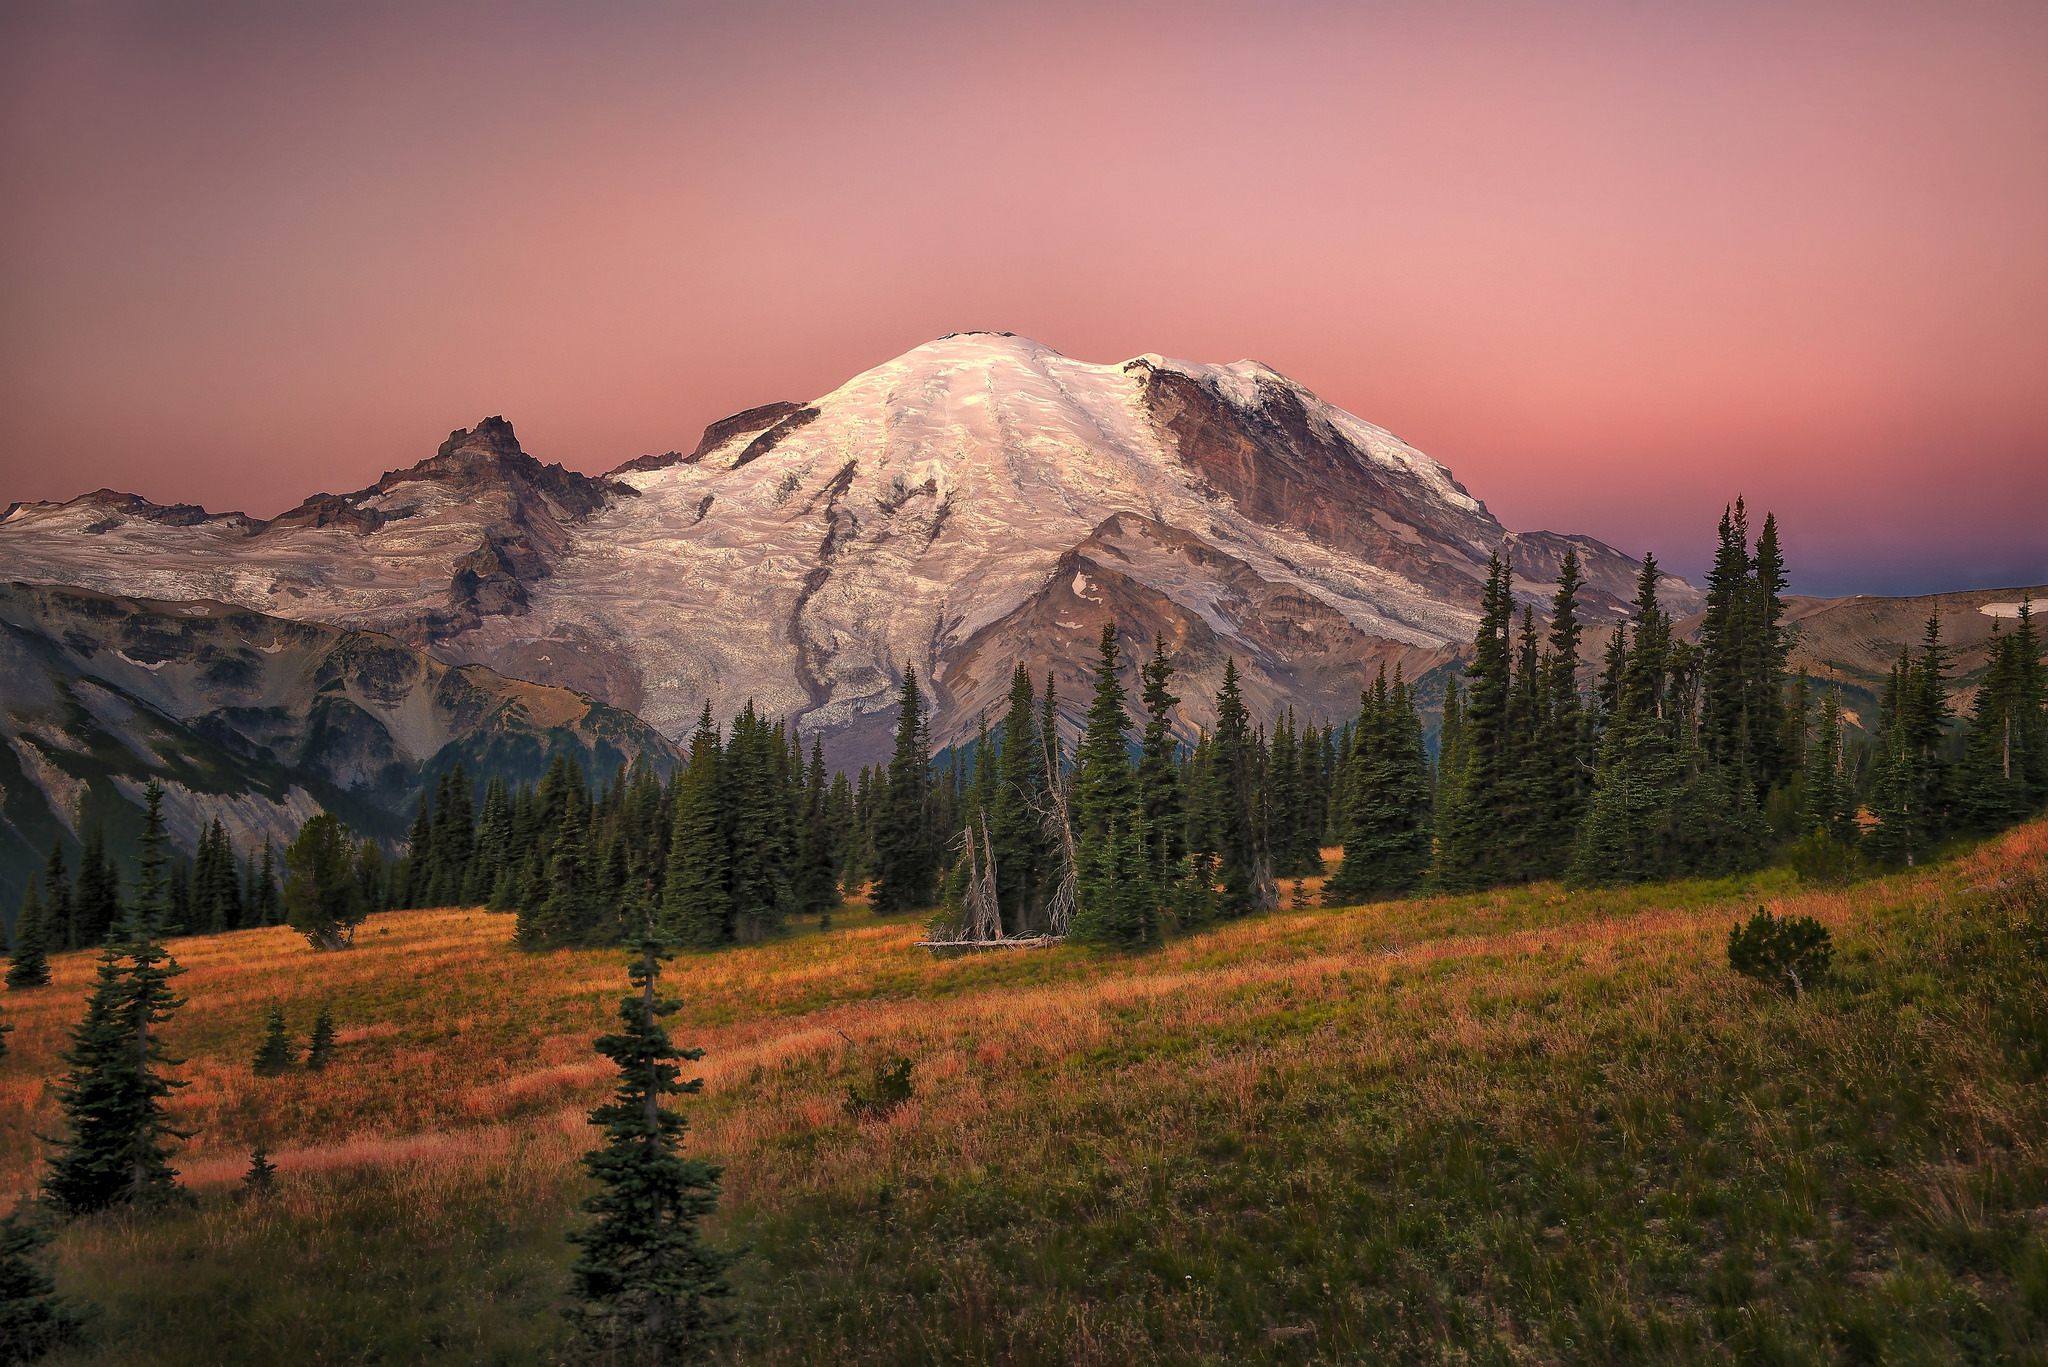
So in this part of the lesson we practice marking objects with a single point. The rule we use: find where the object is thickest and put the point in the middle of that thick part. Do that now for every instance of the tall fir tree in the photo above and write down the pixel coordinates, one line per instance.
(1472, 799)
(1015, 826)
(817, 889)
(116, 1147)
(696, 908)
(28, 962)
(1243, 866)
(905, 868)
(1385, 826)
(59, 918)
(1624, 837)
(96, 902)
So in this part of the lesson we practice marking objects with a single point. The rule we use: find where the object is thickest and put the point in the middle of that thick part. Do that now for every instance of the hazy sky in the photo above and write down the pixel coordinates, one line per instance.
(1611, 263)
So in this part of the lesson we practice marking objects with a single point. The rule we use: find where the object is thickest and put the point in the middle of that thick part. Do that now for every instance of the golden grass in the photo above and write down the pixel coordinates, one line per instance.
(466, 1064)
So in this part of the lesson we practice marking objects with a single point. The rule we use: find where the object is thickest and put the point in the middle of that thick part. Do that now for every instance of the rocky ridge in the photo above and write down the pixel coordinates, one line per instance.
(979, 501)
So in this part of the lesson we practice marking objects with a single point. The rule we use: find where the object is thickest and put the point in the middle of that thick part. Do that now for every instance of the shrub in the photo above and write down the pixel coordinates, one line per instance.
(1791, 953)
(890, 1089)
(1819, 858)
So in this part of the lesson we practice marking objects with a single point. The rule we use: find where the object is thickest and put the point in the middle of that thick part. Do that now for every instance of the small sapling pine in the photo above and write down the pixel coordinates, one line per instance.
(322, 1051)
(275, 1054)
(262, 1173)
(1790, 953)
(647, 1287)
(34, 1320)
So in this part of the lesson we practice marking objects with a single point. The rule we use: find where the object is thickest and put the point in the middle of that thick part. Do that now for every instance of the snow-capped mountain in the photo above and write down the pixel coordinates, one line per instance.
(978, 501)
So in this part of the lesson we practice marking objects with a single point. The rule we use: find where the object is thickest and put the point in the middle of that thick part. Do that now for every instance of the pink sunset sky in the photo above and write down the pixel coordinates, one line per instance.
(1612, 263)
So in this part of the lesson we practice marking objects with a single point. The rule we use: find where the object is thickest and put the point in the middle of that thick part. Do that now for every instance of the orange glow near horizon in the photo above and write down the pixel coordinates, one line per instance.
(1613, 264)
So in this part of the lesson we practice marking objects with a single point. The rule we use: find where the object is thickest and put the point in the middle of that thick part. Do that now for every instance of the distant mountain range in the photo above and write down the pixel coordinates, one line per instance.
(256, 719)
(977, 502)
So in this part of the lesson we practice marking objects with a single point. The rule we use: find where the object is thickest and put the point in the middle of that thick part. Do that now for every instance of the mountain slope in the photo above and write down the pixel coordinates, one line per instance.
(803, 554)
(257, 719)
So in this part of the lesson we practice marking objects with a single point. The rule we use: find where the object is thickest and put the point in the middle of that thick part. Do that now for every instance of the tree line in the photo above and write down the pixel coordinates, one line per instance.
(1665, 758)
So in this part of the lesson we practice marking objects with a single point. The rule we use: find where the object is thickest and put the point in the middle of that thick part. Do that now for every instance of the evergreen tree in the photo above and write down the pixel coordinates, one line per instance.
(1386, 825)
(493, 846)
(96, 905)
(454, 838)
(1242, 864)
(757, 834)
(1284, 800)
(1159, 791)
(817, 891)
(1625, 834)
(1830, 806)
(266, 908)
(647, 1286)
(905, 869)
(321, 1052)
(1105, 789)
(115, 1149)
(1992, 786)
(1914, 789)
(1119, 904)
(29, 961)
(275, 1054)
(696, 909)
(418, 879)
(59, 909)
(1473, 800)
(321, 899)
(262, 1173)
(1562, 767)
(34, 1320)
(1015, 827)
(567, 910)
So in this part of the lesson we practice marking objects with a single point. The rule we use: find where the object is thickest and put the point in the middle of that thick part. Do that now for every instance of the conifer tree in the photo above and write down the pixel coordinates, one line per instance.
(567, 910)
(267, 907)
(29, 961)
(321, 1052)
(1119, 902)
(1159, 792)
(115, 1149)
(904, 867)
(1014, 824)
(757, 835)
(696, 909)
(1563, 766)
(1109, 835)
(96, 904)
(275, 1054)
(1386, 825)
(418, 879)
(817, 865)
(1472, 801)
(262, 1173)
(1830, 807)
(1625, 834)
(648, 1288)
(59, 912)
(34, 1319)
(1243, 865)
(1105, 789)
(321, 899)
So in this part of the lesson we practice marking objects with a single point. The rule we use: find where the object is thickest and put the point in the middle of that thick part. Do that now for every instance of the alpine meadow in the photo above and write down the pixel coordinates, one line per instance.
(915, 813)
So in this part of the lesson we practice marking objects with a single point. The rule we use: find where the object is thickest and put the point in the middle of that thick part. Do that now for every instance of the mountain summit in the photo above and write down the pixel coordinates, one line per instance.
(979, 501)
